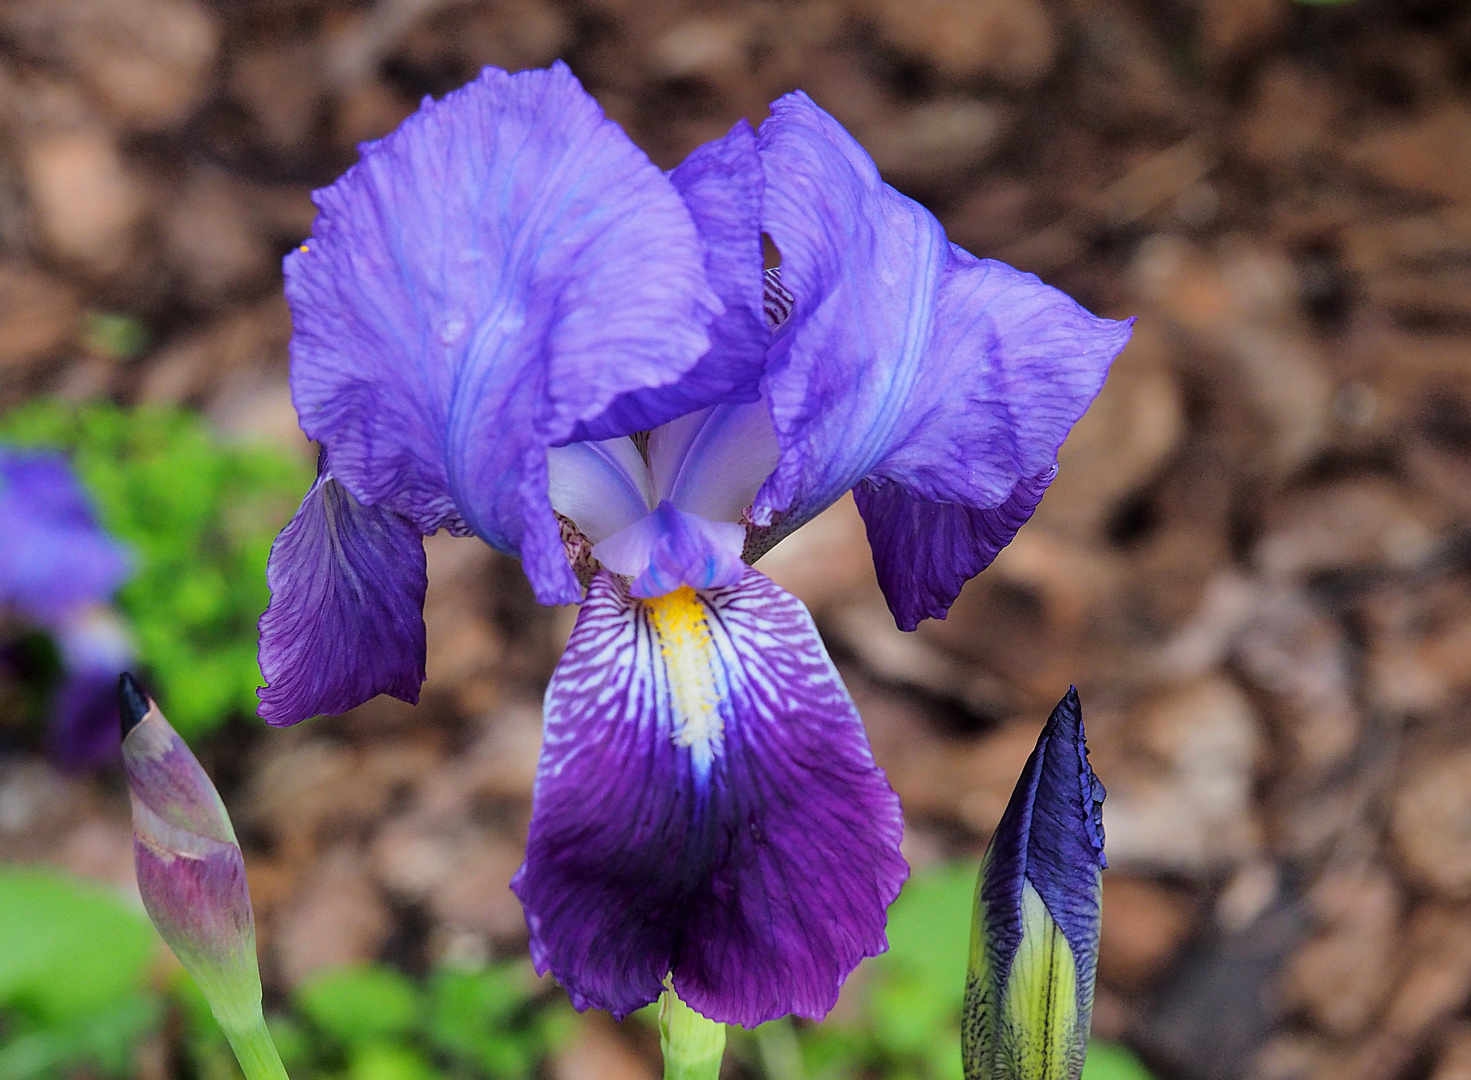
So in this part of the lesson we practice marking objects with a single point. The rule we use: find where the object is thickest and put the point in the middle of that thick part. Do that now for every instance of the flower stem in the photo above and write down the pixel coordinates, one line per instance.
(256, 1051)
(693, 1045)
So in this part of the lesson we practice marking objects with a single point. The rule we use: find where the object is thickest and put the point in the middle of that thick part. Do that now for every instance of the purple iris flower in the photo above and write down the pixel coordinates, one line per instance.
(510, 324)
(58, 570)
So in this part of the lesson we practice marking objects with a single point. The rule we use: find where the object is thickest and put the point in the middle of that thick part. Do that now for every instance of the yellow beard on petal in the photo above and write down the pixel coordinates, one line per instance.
(681, 624)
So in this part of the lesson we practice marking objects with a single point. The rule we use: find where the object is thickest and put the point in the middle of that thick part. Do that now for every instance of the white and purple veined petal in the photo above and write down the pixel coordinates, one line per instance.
(706, 809)
(938, 384)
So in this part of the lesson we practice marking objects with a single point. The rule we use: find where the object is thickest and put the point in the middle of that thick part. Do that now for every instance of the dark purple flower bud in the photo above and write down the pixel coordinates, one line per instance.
(1034, 936)
(190, 870)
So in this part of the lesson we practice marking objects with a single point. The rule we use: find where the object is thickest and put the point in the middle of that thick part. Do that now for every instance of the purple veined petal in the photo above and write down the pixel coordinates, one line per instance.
(721, 184)
(706, 806)
(669, 548)
(602, 486)
(907, 361)
(54, 557)
(1051, 836)
(925, 552)
(346, 617)
(713, 462)
(862, 264)
(484, 284)
(82, 725)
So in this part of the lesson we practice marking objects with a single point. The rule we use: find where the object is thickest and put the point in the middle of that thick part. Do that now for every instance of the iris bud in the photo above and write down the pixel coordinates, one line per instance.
(1034, 934)
(191, 875)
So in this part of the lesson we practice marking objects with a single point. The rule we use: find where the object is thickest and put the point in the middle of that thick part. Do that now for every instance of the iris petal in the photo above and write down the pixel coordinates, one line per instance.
(925, 551)
(82, 729)
(478, 289)
(707, 806)
(713, 462)
(721, 184)
(345, 621)
(669, 548)
(907, 361)
(602, 486)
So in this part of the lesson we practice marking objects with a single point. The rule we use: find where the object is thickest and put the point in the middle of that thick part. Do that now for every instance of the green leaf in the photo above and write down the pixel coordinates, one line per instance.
(1113, 1061)
(360, 1005)
(918, 986)
(103, 1039)
(389, 1061)
(68, 948)
(479, 1019)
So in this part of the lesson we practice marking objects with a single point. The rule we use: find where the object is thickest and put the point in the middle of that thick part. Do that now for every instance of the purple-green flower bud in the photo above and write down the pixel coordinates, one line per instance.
(190, 870)
(1034, 935)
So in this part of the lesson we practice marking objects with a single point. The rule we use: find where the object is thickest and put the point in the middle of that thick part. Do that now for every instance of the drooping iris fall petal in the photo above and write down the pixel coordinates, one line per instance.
(706, 805)
(346, 617)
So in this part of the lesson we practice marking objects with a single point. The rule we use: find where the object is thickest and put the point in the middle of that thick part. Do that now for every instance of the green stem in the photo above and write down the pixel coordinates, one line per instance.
(256, 1051)
(693, 1044)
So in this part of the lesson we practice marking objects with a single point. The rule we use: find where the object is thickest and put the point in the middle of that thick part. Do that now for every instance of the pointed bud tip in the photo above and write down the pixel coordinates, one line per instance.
(132, 702)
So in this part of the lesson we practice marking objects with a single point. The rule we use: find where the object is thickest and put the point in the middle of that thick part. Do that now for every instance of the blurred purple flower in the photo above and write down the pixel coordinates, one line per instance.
(510, 324)
(58, 570)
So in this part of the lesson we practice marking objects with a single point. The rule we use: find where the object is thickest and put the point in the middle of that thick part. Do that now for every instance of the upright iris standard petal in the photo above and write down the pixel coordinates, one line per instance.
(706, 808)
(54, 557)
(1034, 944)
(721, 184)
(906, 362)
(487, 282)
(345, 621)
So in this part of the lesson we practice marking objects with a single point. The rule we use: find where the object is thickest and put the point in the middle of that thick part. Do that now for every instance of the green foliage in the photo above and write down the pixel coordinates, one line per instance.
(200, 516)
(74, 960)
(70, 948)
(372, 1023)
(360, 1005)
(1112, 1061)
(75, 996)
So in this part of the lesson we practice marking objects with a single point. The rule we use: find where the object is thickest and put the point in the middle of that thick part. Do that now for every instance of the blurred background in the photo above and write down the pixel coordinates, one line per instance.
(1255, 563)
